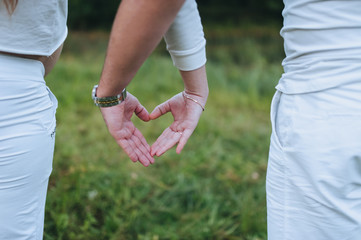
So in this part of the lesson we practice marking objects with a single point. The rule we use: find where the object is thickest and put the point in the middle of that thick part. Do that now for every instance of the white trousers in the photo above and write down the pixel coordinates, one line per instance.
(314, 170)
(27, 134)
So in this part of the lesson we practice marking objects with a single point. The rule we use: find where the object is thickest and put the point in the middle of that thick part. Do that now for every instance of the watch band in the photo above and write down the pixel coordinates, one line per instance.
(108, 101)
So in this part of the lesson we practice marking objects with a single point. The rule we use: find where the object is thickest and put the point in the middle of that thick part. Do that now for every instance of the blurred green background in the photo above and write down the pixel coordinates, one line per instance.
(215, 189)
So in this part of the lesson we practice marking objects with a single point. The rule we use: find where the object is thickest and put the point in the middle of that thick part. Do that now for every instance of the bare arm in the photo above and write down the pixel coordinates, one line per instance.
(138, 28)
(196, 84)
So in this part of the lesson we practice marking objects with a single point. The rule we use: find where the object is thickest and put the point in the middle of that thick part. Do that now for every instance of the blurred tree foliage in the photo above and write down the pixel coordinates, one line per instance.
(91, 14)
(98, 14)
(235, 12)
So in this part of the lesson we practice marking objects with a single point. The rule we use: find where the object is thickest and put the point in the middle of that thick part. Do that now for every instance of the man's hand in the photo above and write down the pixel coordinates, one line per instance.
(120, 126)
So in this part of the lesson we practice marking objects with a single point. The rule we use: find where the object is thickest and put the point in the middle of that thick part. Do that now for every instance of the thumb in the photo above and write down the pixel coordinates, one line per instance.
(160, 110)
(142, 112)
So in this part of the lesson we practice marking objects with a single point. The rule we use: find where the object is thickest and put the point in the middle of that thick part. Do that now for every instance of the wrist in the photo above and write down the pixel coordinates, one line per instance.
(109, 88)
(196, 99)
(202, 93)
(108, 101)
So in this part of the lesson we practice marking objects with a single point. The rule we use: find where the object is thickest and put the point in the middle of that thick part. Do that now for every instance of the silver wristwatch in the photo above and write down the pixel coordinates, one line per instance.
(108, 101)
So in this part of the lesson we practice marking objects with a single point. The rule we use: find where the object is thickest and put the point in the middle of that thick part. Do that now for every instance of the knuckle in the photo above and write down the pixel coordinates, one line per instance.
(139, 111)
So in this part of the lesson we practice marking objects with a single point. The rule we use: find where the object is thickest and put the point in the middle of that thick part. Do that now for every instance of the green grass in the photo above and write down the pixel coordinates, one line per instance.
(215, 189)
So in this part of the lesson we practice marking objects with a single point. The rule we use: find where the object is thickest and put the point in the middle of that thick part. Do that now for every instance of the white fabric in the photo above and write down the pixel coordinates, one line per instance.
(322, 40)
(314, 168)
(27, 134)
(36, 27)
(185, 39)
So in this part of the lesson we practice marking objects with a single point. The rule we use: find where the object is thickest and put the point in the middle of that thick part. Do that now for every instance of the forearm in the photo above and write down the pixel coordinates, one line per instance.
(138, 27)
(195, 83)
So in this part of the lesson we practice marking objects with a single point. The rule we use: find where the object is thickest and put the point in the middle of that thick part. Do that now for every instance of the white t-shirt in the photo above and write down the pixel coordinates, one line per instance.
(322, 40)
(185, 39)
(37, 27)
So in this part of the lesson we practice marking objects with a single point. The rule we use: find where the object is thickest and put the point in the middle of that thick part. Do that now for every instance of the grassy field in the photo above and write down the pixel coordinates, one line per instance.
(214, 190)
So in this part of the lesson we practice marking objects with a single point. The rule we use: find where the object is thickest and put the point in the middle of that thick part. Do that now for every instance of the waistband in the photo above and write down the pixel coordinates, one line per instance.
(13, 67)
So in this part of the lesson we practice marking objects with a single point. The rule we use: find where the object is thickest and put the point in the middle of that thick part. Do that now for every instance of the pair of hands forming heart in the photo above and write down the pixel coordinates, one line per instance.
(186, 114)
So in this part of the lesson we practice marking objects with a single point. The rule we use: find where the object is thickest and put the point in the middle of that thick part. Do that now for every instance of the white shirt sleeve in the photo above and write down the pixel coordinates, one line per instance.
(185, 38)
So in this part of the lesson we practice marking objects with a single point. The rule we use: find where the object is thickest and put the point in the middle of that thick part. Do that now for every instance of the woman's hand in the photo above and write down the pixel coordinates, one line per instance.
(186, 113)
(120, 126)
